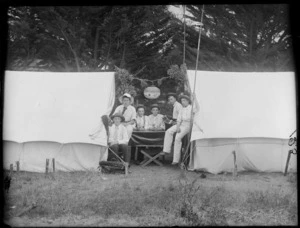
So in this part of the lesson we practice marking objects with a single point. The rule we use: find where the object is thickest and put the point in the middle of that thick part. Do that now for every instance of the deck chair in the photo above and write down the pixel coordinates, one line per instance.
(114, 166)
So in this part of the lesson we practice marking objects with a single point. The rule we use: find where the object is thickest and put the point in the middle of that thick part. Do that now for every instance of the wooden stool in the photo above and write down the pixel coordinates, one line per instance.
(151, 158)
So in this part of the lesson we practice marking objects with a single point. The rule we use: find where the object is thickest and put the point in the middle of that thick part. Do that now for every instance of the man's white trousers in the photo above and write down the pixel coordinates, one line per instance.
(184, 129)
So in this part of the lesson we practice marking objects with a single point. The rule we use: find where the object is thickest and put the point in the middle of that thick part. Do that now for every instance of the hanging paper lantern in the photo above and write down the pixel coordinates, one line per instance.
(152, 92)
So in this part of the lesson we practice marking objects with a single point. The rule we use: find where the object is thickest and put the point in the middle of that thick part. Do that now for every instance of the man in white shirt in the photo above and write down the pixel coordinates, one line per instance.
(129, 113)
(142, 121)
(172, 99)
(156, 122)
(182, 128)
(118, 138)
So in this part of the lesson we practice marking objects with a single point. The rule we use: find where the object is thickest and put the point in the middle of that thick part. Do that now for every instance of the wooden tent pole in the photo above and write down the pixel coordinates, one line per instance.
(53, 164)
(287, 162)
(184, 34)
(193, 94)
(18, 166)
(234, 173)
(47, 166)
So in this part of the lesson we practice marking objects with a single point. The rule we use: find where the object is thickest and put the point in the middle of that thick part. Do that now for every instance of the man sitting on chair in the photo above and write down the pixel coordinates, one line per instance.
(118, 138)
(172, 99)
(156, 122)
(128, 111)
(182, 128)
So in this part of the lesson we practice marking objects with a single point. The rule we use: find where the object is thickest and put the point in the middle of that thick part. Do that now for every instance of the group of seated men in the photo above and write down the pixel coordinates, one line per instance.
(126, 118)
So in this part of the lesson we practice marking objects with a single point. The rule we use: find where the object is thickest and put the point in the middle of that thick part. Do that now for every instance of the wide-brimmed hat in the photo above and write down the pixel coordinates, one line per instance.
(118, 115)
(185, 97)
(128, 96)
(172, 94)
(155, 106)
(140, 106)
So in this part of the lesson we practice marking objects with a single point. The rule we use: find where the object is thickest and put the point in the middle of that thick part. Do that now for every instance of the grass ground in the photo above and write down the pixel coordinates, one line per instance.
(152, 196)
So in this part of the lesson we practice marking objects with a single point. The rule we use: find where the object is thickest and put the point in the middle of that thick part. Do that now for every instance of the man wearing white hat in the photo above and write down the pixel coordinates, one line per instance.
(128, 111)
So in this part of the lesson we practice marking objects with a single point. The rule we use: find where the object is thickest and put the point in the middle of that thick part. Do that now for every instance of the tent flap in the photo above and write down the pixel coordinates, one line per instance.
(253, 154)
(68, 157)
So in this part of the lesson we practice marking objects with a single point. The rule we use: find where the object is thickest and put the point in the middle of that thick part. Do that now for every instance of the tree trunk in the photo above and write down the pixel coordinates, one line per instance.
(76, 60)
(251, 38)
(72, 50)
(63, 61)
(96, 44)
(108, 52)
(122, 64)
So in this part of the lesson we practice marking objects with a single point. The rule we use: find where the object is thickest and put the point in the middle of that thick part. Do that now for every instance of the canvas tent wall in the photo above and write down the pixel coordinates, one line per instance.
(252, 114)
(50, 115)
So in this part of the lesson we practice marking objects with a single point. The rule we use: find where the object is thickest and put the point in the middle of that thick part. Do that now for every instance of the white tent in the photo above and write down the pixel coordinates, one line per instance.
(252, 114)
(50, 115)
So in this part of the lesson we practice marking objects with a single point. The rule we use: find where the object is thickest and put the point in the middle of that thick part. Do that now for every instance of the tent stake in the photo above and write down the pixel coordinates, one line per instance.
(126, 168)
(18, 166)
(234, 173)
(47, 166)
(53, 164)
(287, 162)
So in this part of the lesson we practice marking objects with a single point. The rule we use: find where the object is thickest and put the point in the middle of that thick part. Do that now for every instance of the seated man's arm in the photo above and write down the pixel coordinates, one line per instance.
(125, 138)
(133, 116)
(110, 139)
(162, 125)
(179, 120)
(146, 125)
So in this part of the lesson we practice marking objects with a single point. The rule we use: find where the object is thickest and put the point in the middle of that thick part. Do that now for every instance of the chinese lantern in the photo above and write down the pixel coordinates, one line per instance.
(152, 92)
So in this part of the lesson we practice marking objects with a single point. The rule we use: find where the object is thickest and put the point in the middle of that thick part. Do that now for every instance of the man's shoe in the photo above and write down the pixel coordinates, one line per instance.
(174, 163)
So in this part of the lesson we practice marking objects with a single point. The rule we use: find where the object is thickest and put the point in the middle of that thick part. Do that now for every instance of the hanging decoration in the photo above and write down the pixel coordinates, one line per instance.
(126, 78)
(152, 92)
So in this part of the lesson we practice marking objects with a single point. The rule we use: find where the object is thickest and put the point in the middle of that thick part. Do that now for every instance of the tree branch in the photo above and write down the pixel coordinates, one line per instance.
(73, 51)
(109, 46)
(139, 71)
